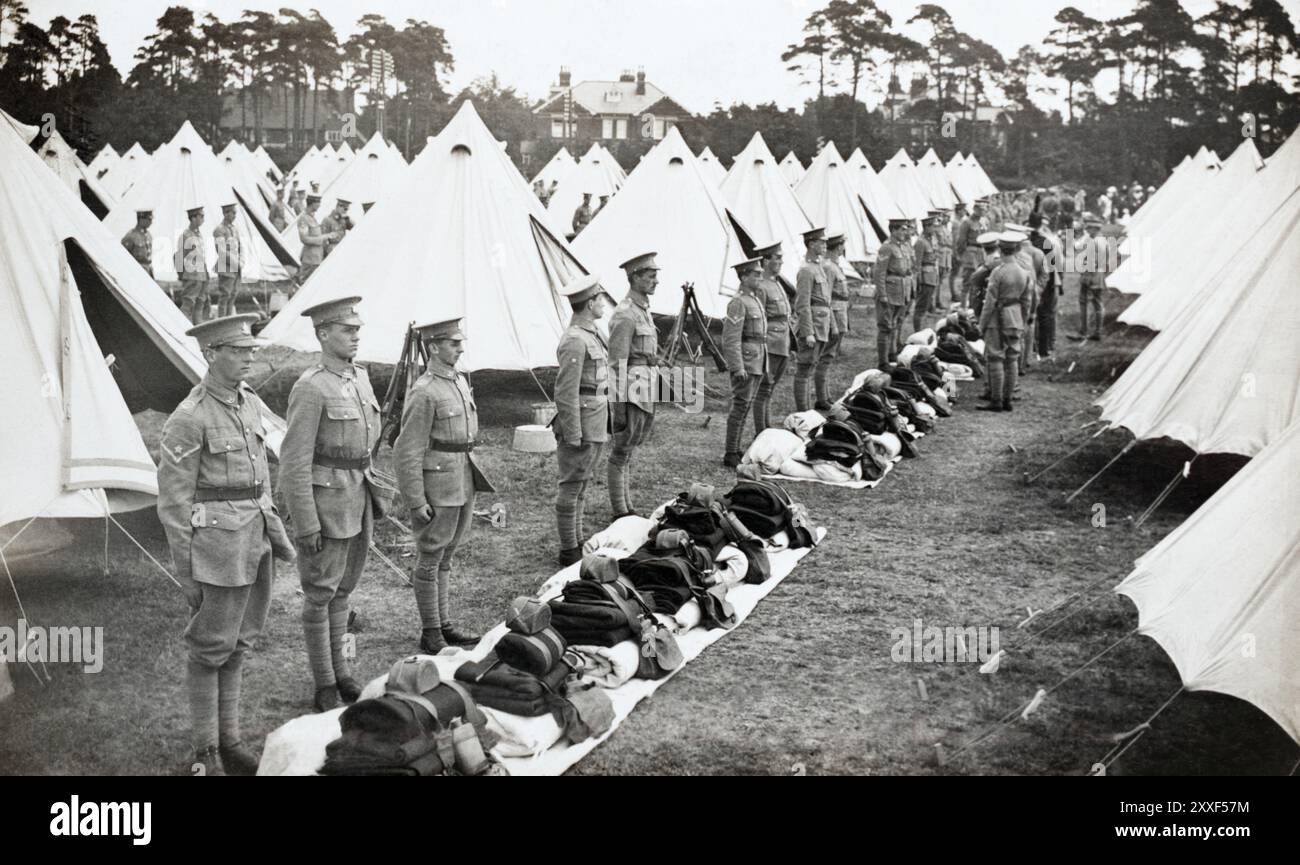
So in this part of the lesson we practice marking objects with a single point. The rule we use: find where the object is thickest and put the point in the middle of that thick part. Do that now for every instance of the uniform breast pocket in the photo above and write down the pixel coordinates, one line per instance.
(645, 338)
(748, 351)
(229, 462)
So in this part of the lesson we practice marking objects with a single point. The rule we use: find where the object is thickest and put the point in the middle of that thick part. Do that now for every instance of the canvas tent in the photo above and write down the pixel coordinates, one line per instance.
(133, 165)
(792, 169)
(1186, 232)
(597, 173)
(105, 159)
(669, 206)
(242, 171)
(960, 179)
(712, 166)
(70, 295)
(1224, 376)
(463, 237)
(560, 166)
(69, 168)
(934, 180)
(899, 176)
(186, 174)
(375, 172)
(830, 198)
(880, 207)
(756, 192)
(267, 165)
(1181, 188)
(1228, 579)
(25, 131)
(980, 180)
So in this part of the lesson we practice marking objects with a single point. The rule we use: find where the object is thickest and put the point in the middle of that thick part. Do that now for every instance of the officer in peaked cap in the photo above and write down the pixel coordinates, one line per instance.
(332, 494)
(926, 251)
(744, 348)
(214, 502)
(943, 234)
(812, 312)
(230, 259)
(633, 362)
(582, 418)
(191, 262)
(336, 226)
(838, 287)
(892, 274)
(438, 477)
(139, 242)
(313, 239)
(1007, 305)
(1093, 260)
(776, 308)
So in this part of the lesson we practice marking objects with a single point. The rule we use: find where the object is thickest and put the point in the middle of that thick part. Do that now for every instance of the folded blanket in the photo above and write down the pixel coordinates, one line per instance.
(536, 653)
(609, 666)
(831, 472)
(623, 535)
(589, 624)
(687, 617)
(519, 736)
(889, 444)
(771, 448)
(731, 565)
(804, 423)
(500, 686)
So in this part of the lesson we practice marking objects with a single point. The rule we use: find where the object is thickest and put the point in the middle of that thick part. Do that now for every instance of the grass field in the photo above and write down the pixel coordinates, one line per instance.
(807, 684)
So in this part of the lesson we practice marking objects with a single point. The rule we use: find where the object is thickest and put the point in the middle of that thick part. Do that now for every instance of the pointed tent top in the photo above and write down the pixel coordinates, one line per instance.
(474, 245)
(899, 177)
(758, 194)
(63, 161)
(557, 168)
(188, 136)
(667, 204)
(831, 196)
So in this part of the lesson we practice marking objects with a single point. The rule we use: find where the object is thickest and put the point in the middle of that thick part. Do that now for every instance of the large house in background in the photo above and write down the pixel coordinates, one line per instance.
(323, 110)
(606, 111)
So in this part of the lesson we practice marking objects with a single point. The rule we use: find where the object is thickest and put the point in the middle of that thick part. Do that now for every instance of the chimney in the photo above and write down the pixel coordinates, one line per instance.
(626, 77)
(564, 76)
(640, 81)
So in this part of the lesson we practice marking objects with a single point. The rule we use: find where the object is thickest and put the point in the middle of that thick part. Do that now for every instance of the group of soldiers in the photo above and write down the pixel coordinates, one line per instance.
(225, 532)
(197, 293)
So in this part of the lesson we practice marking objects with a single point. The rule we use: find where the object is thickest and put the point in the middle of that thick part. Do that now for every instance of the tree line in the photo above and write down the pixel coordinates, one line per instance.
(1179, 82)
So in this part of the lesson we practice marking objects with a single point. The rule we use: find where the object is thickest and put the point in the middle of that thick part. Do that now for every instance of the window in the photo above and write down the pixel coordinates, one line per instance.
(620, 127)
(613, 127)
(557, 128)
(662, 127)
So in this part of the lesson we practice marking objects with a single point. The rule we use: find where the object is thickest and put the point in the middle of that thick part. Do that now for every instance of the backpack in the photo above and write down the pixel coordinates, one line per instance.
(837, 441)
(765, 508)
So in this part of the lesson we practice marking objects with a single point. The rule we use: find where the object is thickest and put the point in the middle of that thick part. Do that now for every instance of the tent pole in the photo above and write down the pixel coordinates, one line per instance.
(1164, 494)
(1112, 462)
(1036, 476)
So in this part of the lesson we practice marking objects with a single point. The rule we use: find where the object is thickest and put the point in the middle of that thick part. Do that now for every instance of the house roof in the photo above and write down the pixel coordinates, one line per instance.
(610, 97)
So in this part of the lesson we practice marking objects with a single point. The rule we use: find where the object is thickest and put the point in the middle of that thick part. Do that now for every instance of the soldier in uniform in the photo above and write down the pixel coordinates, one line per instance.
(633, 358)
(582, 215)
(279, 213)
(927, 251)
(335, 226)
(977, 282)
(1092, 260)
(1007, 303)
(943, 232)
(139, 242)
(313, 239)
(230, 260)
(965, 248)
(214, 501)
(326, 480)
(893, 269)
(909, 298)
(191, 262)
(776, 308)
(812, 311)
(438, 478)
(582, 408)
(744, 348)
(839, 294)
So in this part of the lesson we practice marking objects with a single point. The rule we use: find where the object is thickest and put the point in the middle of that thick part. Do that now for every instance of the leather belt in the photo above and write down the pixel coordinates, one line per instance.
(362, 462)
(758, 337)
(227, 494)
(451, 447)
(816, 302)
(589, 391)
(1006, 304)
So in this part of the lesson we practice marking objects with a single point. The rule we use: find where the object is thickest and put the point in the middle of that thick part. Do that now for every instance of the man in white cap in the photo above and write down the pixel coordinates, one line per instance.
(214, 502)
(633, 359)
(1007, 303)
(438, 477)
(326, 480)
(744, 348)
(582, 419)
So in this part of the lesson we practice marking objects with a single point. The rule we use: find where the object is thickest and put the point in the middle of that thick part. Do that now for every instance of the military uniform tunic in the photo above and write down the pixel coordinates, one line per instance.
(581, 422)
(230, 262)
(313, 245)
(744, 348)
(776, 311)
(192, 270)
(892, 274)
(633, 353)
(139, 243)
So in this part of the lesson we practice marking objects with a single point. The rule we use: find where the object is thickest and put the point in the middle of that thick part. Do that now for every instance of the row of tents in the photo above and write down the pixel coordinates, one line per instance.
(1212, 258)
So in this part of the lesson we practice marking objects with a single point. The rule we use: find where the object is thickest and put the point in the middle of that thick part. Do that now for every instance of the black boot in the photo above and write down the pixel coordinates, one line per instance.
(349, 690)
(731, 460)
(239, 759)
(457, 637)
(990, 406)
(432, 641)
(327, 698)
(569, 556)
(1006, 406)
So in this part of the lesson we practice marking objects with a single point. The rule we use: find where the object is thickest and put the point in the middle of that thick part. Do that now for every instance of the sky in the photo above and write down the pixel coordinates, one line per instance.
(700, 52)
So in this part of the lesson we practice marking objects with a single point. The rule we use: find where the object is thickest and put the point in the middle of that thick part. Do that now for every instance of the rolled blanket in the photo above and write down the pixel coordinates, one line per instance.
(804, 423)
(623, 536)
(609, 666)
(532, 653)
(771, 448)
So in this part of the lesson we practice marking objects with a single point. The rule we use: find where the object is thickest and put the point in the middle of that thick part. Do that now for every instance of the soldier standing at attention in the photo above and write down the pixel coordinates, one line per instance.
(812, 311)
(326, 480)
(943, 231)
(582, 408)
(927, 251)
(313, 240)
(214, 501)
(904, 314)
(633, 360)
(839, 294)
(335, 226)
(892, 271)
(1006, 309)
(776, 308)
(139, 242)
(1093, 263)
(192, 268)
(582, 215)
(744, 348)
(230, 260)
(964, 246)
(438, 477)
